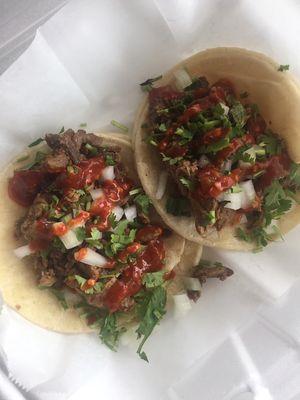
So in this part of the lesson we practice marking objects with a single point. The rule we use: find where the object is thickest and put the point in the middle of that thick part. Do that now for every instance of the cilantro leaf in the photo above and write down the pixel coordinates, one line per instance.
(186, 135)
(162, 127)
(150, 311)
(283, 67)
(94, 239)
(109, 160)
(80, 233)
(119, 125)
(215, 147)
(178, 206)
(238, 114)
(110, 332)
(271, 144)
(187, 183)
(143, 203)
(153, 279)
(36, 142)
(294, 175)
(170, 160)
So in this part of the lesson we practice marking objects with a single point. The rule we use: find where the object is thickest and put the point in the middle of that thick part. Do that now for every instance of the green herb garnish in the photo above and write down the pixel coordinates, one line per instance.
(119, 125)
(36, 142)
(283, 67)
(153, 279)
(178, 206)
(148, 84)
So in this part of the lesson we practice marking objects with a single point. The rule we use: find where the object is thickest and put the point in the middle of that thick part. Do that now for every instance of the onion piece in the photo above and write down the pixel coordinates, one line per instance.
(225, 108)
(227, 166)
(248, 193)
(234, 200)
(118, 212)
(96, 193)
(70, 240)
(162, 185)
(108, 173)
(182, 305)
(183, 79)
(130, 213)
(23, 251)
(191, 283)
(203, 161)
(90, 257)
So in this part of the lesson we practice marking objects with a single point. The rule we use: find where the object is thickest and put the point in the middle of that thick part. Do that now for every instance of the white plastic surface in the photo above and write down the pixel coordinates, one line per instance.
(242, 337)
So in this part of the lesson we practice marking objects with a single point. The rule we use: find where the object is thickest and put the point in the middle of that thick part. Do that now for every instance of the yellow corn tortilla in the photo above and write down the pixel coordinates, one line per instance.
(277, 95)
(18, 282)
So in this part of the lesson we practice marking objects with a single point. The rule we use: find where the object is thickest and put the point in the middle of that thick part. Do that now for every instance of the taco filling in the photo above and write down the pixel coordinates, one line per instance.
(228, 166)
(87, 228)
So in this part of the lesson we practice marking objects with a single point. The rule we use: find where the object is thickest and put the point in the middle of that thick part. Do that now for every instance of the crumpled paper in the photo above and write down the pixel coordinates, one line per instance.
(83, 67)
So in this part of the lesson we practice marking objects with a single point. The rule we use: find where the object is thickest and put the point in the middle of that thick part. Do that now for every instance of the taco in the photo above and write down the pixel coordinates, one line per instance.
(217, 147)
(80, 236)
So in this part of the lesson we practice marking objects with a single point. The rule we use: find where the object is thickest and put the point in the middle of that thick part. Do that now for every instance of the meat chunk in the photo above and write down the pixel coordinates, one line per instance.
(26, 228)
(56, 162)
(47, 278)
(218, 271)
(69, 142)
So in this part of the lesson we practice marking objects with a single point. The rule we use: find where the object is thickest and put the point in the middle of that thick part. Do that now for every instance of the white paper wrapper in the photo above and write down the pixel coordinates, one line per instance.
(84, 66)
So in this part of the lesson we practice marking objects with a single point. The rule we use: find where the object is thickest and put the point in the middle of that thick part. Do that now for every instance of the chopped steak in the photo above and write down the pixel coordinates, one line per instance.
(220, 272)
(70, 142)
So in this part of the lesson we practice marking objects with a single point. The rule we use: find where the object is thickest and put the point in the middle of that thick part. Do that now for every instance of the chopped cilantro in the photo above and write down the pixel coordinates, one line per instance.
(109, 160)
(80, 233)
(276, 202)
(178, 206)
(83, 125)
(112, 220)
(162, 127)
(119, 125)
(187, 183)
(91, 149)
(94, 239)
(215, 147)
(110, 332)
(148, 84)
(39, 157)
(271, 144)
(170, 160)
(235, 189)
(238, 114)
(153, 279)
(143, 203)
(150, 310)
(186, 135)
(283, 67)
(22, 159)
(294, 175)
(36, 142)
(62, 129)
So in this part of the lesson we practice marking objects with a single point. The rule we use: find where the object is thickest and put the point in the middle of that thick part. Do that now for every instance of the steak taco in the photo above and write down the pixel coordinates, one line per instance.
(217, 147)
(78, 233)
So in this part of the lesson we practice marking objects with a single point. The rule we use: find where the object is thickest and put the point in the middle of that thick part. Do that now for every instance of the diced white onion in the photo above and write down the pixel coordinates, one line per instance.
(162, 184)
(23, 251)
(203, 161)
(227, 166)
(70, 240)
(191, 283)
(183, 79)
(130, 213)
(273, 227)
(182, 305)
(93, 258)
(108, 173)
(118, 212)
(248, 193)
(243, 199)
(96, 193)
(225, 108)
(234, 200)
(243, 220)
